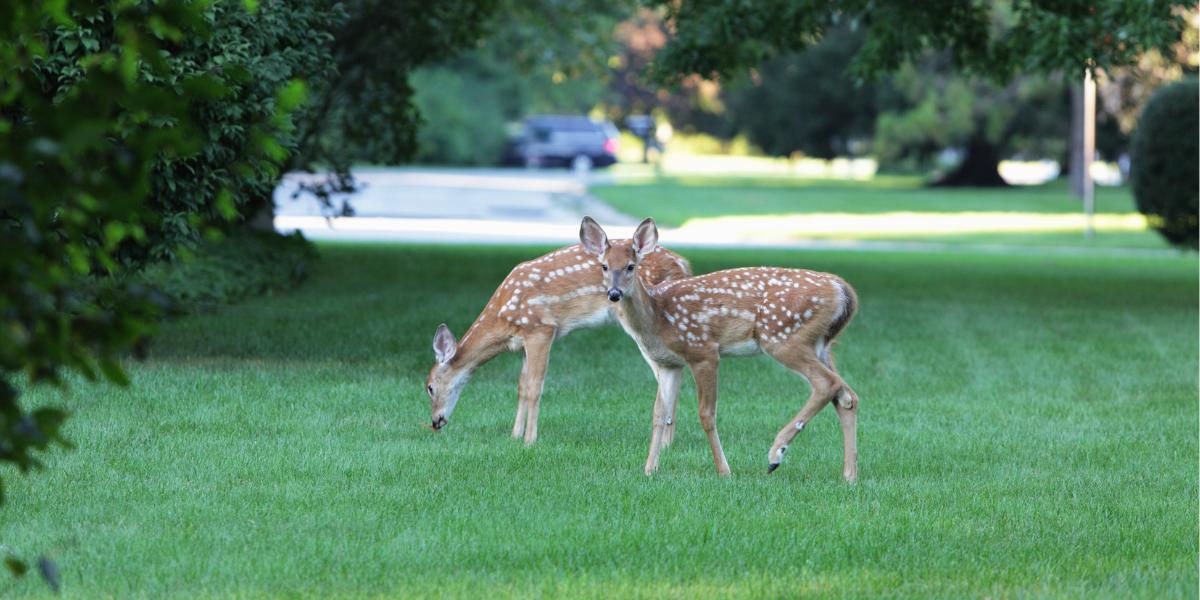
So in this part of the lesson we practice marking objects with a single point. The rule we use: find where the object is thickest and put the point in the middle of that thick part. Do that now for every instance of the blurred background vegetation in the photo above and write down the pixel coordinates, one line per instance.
(926, 118)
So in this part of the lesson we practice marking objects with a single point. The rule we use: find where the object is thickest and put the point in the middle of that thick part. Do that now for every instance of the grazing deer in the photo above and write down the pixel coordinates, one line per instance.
(791, 314)
(540, 301)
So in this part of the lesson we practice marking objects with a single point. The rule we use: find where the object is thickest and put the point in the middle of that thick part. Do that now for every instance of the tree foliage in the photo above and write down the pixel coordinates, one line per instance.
(233, 77)
(806, 102)
(532, 56)
(1165, 162)
(720, 38)
(941, 108)
(75, 170)
(363, 111)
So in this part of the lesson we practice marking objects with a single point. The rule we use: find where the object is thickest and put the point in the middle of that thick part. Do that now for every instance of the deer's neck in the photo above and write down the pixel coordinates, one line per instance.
(485, 340)
(638, 312)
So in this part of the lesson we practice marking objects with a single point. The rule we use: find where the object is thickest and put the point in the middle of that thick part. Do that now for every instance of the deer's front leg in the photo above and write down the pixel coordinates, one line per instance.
(705, 374)
(669, 432)
(518, 429)
(537, 356)
(671, 393)
(669, 379)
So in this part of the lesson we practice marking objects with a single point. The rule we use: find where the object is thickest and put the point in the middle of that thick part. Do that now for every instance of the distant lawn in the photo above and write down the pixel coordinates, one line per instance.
(675, 201)
(1028, 430)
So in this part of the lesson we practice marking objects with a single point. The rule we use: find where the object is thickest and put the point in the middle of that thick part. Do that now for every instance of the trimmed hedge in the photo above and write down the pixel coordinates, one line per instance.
(245, 263)
(1165, 162)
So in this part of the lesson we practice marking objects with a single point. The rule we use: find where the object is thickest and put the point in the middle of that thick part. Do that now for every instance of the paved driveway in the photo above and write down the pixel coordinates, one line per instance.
(453, 205)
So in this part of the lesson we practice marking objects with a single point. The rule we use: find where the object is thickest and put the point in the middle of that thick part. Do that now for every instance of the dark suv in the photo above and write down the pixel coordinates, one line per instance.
(564, 141)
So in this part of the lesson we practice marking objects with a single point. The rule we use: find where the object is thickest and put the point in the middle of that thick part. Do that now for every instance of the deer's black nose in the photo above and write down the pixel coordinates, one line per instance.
(614, 295)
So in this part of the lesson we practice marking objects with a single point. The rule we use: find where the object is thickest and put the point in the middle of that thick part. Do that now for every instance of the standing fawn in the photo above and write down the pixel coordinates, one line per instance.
(540, 301)
(791, 314)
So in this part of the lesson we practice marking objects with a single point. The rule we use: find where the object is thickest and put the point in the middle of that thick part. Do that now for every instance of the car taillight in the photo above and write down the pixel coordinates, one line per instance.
(611, 145)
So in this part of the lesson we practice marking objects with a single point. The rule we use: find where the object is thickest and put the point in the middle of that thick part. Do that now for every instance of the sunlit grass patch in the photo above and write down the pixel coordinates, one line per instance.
(903, 224)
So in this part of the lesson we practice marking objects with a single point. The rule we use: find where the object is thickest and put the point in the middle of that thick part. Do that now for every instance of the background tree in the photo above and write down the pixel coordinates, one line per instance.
(484, 51)
(941, 109)
(543, 56)
(806, 101)
(720, 38)
(696, 105)
(724, 38)
(364, 111)
(1122, 92)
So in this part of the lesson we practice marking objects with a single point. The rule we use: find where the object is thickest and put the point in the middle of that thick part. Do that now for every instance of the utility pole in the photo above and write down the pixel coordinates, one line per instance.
(1089, 151)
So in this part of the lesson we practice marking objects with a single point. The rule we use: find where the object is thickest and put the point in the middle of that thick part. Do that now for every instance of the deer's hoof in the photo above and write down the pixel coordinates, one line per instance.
(771, 467)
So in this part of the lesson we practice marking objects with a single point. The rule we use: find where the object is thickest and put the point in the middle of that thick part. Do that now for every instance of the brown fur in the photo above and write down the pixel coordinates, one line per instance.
(541, 300)
(790, 314)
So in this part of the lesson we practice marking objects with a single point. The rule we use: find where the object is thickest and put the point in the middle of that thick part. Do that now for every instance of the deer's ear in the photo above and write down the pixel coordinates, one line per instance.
(645, 238)
(592, 237)
(444, 344)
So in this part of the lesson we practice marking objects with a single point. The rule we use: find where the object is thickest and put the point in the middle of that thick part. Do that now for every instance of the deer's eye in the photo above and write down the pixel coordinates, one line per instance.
(430, 388)
(604, 266)
(629, 268)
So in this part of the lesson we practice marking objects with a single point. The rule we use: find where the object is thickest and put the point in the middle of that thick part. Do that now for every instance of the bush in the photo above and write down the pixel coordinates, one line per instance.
(1165, 162)
(244, 264)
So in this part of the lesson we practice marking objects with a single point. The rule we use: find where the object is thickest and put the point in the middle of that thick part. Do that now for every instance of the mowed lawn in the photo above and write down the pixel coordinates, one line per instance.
(1028, 429)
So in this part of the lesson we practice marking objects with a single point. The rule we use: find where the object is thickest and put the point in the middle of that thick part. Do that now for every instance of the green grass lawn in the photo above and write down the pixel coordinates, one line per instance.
(674, 201)
(1028, 429)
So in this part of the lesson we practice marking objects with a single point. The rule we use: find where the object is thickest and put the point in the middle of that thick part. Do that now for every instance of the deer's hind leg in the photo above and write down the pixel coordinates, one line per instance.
(803, 359)
(847, 409)
(704, 373)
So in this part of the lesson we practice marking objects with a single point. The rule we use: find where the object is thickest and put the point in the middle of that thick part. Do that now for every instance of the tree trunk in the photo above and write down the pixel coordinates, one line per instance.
(1075, 157)
(980, 168)
(260, 210)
